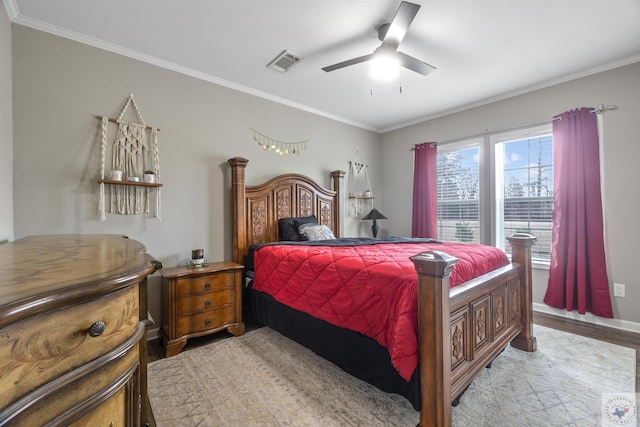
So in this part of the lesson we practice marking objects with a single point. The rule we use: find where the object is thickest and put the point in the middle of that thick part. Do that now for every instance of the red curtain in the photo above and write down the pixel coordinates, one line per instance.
(425, 214)
(578, 274)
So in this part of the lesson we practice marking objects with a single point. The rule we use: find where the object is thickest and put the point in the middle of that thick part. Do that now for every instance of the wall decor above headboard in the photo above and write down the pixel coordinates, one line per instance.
(279, 147)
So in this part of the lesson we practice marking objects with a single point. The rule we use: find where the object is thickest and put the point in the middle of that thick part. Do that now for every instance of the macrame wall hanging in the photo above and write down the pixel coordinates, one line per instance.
(360, 191)
(359, 184)
(134, 156)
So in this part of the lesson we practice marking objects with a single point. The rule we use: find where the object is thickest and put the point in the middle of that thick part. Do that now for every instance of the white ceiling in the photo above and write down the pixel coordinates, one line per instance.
(483, 50)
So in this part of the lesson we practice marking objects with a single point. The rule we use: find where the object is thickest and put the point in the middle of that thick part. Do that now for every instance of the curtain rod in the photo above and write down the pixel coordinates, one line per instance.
(600, 109)
(486, 132)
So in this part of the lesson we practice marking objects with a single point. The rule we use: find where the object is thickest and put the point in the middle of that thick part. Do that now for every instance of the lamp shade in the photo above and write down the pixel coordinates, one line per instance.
(374, 214)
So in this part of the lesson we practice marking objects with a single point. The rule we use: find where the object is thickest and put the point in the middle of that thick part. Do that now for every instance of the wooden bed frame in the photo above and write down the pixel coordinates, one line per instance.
(461, 330)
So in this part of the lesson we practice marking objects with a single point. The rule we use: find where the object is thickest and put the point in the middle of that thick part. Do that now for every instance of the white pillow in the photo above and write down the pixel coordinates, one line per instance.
(314, 232)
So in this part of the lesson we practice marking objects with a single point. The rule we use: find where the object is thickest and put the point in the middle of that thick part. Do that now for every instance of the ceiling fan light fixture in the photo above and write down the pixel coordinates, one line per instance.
(391, 35)
(385, 64)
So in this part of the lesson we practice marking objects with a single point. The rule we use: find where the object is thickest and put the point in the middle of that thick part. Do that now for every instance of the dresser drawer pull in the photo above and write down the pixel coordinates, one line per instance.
(207, 322)
(207, 303)
(97, 329)
(207, 285)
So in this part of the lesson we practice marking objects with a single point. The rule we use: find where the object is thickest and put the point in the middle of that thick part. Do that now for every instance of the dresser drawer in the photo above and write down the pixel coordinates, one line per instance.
(108, 385)
(197, 285)
(205, 321)
(197, 303)
(40, 349)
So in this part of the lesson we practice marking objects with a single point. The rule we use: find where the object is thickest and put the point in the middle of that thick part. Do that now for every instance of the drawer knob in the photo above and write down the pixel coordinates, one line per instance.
(207, 303)
(207, 322)
(97, 329)
(207, 285)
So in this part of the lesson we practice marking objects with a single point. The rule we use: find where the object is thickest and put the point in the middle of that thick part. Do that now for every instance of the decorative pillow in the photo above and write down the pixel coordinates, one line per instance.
(313, 232)
(288, 227)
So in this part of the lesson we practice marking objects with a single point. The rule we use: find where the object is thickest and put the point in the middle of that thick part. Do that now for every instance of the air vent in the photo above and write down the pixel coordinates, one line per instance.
(284, 61)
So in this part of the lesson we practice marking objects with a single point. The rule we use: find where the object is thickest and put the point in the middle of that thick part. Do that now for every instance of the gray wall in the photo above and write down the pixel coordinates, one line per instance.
(620, 87)
(60, 85)
(6, 129)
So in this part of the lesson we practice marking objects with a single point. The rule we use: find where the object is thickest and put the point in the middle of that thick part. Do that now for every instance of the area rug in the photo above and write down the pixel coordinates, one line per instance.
(264, 379)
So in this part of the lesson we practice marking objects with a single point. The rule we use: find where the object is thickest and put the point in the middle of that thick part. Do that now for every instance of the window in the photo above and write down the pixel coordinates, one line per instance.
(459, 194)
(524, 189)
(512, 192)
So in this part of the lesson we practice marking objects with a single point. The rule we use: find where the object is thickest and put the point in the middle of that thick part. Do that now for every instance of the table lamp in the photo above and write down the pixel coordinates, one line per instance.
(374, 215)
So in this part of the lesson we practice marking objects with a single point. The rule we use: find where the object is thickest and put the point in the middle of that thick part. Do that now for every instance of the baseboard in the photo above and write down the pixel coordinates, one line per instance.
(153, 334)
(588, 318)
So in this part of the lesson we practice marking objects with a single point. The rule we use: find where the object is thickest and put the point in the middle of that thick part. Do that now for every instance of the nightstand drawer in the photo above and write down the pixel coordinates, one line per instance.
(198, 285)
(205, 321)
(197, 303)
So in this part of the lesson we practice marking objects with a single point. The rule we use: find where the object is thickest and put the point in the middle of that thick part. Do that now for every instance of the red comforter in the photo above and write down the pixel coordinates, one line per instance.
(370, 289)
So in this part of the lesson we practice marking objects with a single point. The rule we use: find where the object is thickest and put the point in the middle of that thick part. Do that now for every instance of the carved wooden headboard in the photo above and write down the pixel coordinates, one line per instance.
(256, 209)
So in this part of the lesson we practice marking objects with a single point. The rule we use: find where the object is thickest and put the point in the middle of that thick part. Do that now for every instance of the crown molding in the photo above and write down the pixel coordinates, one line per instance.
(12, 9)
(15, 16)
(129, 53)
(527, 89)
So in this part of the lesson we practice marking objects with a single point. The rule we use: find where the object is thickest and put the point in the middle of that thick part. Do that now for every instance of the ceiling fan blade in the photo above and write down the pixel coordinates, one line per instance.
(348, 63)
(400, 24)
(415, 64)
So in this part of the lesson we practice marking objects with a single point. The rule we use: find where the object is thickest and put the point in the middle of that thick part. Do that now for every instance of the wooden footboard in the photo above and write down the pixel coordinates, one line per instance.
(460, 331)
(463, 329)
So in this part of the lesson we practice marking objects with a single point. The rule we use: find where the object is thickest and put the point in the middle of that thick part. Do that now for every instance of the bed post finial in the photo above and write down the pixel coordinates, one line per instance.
(238, 208)
(434, 269)
(521, 253)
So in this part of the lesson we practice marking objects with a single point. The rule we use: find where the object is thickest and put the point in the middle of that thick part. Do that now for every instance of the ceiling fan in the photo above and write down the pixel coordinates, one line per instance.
(391, 34)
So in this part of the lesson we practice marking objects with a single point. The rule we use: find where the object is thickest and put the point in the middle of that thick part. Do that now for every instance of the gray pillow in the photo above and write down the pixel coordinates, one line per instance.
(313, 232)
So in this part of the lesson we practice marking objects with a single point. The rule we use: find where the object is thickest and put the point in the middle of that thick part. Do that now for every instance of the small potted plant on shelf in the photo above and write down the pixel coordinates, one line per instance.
(116, 174)
(149, 176)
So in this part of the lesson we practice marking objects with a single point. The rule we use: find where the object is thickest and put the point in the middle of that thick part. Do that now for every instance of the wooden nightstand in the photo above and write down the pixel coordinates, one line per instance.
(200, 301)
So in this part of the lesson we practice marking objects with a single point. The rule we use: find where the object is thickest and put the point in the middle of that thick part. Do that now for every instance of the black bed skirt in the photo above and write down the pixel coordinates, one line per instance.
(353, 352)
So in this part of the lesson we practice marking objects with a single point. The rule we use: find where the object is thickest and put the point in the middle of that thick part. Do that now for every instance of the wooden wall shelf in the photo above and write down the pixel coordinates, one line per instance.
(360, 205)
(134, 183)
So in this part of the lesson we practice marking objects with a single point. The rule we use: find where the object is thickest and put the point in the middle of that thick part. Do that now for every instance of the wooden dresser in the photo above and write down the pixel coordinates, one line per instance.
(73, 312)
(200, 301)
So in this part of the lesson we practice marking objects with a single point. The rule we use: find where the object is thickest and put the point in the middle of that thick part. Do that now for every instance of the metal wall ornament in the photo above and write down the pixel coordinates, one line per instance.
(280, 147)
